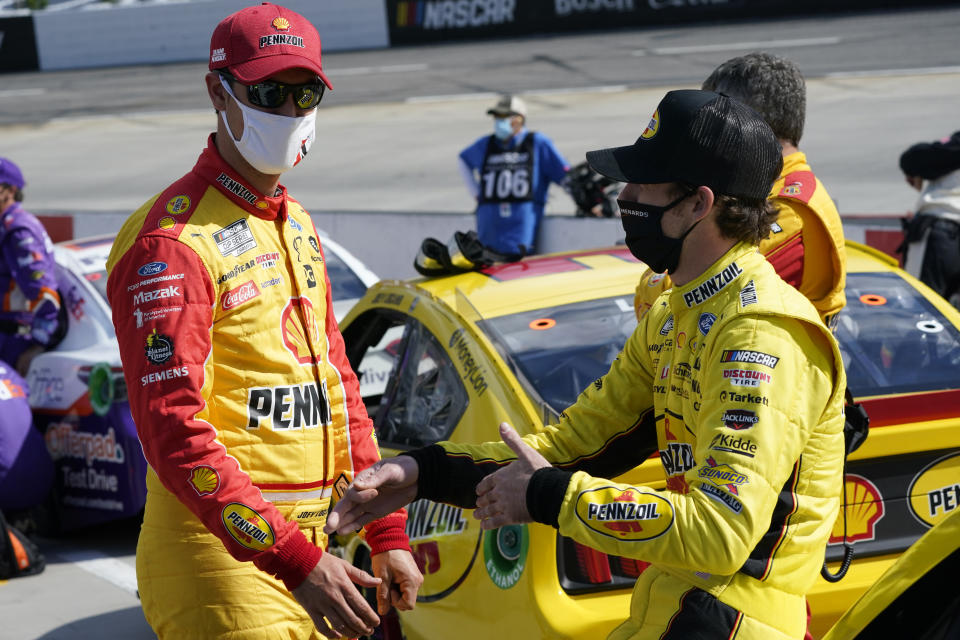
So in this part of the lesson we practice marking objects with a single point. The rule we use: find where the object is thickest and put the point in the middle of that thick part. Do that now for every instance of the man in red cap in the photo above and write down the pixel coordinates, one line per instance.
(248, 410)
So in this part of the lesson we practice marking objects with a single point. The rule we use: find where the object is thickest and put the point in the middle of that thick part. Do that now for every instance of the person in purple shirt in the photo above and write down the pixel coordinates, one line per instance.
(31, 320)
(509, 173)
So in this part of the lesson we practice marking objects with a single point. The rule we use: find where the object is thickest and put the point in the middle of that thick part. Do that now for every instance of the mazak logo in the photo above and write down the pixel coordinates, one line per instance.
(454, 14)
(739, 419)
(172, 291)
(239, 295)
(283, 408)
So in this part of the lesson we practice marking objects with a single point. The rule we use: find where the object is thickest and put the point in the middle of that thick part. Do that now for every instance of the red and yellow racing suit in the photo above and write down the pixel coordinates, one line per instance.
(739, 385)
(805, 245)
(248, 411)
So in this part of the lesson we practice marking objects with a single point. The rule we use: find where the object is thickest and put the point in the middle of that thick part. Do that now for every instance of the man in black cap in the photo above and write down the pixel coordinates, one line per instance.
(709, 378)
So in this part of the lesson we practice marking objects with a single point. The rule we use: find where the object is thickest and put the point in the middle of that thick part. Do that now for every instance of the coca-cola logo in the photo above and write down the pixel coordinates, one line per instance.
(239, 295)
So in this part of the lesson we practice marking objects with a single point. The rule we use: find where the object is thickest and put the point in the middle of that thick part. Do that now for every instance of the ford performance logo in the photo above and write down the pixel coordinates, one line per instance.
(152, 268)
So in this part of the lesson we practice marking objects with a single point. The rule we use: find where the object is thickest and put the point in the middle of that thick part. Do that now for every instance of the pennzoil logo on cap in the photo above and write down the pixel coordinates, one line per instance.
(653, 127)
(280, 24)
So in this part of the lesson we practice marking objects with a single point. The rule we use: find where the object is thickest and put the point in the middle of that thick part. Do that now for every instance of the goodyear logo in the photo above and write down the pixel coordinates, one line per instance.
(625, 514)
(935, 491)
(652, 127)
(247, 527)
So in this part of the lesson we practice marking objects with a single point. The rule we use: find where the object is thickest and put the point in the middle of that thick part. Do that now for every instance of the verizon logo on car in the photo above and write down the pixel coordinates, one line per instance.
(172, 291)
(239, 295)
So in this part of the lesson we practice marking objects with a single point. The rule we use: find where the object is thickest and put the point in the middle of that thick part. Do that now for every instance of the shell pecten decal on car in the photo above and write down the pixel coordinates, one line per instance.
(864, 510)
(247, 527)
(625, 514)
(935, 490)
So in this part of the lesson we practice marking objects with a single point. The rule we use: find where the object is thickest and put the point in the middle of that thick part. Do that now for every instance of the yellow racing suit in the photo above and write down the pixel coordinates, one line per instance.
(248, 411)
(739, 385)
(805, 245)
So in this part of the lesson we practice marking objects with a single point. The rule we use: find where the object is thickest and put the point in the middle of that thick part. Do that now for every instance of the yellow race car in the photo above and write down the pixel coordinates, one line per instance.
(449, 358)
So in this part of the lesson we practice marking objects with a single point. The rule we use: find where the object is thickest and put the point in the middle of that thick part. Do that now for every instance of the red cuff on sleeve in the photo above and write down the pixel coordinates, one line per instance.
(294, 560)
(388, 533)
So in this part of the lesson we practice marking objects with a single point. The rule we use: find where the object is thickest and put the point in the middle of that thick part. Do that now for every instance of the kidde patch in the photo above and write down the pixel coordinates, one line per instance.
(625, 514)
(247, 527)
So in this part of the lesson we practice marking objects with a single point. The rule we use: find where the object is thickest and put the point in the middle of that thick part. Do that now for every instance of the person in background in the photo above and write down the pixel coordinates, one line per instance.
(508, 173)
(933, 169)
(248, 411)
(805, 244)
(32, 320)
(708, 378)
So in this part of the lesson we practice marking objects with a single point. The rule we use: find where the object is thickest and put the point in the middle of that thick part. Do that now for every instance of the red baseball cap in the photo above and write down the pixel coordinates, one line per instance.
(257, 42)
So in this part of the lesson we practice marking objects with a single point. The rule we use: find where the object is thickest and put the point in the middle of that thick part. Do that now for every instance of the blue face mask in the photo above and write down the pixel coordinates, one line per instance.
(502, 129)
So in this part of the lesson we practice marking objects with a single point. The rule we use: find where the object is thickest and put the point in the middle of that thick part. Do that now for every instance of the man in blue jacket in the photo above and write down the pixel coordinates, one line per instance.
(509, 173)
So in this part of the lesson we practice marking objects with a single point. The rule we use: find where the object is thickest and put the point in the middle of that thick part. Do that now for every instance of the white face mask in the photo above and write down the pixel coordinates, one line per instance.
(272, 143)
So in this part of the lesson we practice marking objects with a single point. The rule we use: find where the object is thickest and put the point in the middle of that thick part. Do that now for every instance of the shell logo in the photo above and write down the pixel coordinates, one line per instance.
(653, 127)
(280, 24)
(167, 223)
(935, 490)
(864, 510)
(298, 324)
(628, 514)
(262, 204)
(247, 527)
(205, 480)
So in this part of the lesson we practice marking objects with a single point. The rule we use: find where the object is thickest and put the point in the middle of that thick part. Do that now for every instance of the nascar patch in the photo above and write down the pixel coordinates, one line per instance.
(625, 514)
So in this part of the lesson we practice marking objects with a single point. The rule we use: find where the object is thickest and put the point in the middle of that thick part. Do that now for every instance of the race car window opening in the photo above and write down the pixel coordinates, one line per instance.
(904, 345)
(409, 384)
(558, 363)
(425, 397)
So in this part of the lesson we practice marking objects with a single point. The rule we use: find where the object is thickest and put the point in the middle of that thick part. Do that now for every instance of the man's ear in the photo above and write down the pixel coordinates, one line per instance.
(218, 95)
(703, 202)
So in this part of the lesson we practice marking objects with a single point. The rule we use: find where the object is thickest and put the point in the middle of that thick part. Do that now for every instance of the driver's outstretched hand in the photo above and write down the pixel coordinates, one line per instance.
(502, 496)
(381, 488)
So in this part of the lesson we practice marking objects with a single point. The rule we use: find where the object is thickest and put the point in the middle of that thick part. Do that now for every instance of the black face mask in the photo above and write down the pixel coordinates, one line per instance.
(645, 237)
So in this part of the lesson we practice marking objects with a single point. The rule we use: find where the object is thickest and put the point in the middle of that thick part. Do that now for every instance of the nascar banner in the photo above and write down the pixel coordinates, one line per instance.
(416, 21)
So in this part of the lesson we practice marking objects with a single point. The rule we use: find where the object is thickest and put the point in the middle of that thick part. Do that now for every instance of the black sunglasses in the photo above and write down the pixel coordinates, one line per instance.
(270, 94)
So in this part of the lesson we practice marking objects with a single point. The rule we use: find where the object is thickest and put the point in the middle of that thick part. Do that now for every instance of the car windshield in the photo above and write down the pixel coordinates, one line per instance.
(893, 340)
(559, 350)
(346, 284)
(99, 281)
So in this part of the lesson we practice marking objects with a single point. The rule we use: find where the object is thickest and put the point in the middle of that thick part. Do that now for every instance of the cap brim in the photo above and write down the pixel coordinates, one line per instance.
(502, 114)
(626, 164)
(259, 69)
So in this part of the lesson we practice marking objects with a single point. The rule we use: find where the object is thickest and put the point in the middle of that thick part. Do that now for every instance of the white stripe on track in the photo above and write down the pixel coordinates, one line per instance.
(112, 570)
(738, 46)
